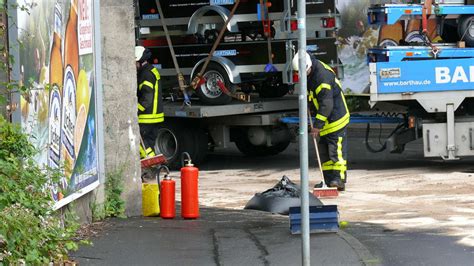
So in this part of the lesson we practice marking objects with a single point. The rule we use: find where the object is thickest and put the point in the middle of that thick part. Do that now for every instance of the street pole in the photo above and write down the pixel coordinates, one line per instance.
(303, 132)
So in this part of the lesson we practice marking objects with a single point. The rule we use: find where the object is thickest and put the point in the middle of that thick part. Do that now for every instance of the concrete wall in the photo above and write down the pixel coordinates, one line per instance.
(121, 131)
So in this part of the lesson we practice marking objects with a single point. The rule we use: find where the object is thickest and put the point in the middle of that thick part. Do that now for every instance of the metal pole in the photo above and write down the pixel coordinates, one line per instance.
(303, 113)
(99, 109)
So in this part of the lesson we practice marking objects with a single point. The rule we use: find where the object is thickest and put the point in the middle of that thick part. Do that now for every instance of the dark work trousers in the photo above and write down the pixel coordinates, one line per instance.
(148, 133)
(333, 153)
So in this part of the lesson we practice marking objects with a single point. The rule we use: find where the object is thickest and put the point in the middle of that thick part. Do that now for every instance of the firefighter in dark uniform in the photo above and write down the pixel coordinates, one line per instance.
(150, 106)
(328, 105)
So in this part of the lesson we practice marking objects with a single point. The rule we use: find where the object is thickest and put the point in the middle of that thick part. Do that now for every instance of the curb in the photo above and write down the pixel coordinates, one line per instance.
(365, 257)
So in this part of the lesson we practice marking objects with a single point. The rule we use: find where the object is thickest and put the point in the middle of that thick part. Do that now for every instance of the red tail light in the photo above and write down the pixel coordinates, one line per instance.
(296, 77)
(157, 42)
(411, 122)
(152, 11)
(329, 22)
(294, 25)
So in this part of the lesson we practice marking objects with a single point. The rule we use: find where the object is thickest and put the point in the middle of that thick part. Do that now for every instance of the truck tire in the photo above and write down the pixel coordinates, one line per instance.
(466, 29)
(173, 139)
(248, 149)
(168, 142)
(201, 141)
(209, 92)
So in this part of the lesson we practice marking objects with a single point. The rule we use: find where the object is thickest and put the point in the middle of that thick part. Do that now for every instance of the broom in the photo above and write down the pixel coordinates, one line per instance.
(324, 191)
(151, 161)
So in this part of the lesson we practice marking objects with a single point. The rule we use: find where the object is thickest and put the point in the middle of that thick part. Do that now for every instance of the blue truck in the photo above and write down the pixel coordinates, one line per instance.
(433, 80)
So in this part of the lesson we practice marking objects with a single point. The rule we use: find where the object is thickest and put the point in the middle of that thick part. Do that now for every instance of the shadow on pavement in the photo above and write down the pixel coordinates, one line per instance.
(219, 237)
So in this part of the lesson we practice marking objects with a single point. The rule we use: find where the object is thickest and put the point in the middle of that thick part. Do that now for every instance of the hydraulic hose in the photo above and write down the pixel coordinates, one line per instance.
(384, 145)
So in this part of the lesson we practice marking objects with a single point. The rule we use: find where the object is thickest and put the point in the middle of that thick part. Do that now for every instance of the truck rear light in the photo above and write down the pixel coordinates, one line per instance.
(294, 25)
(296, 77)
(152, 11)
(411, 122)
(155, 61)
(156, 42)
(329, 22)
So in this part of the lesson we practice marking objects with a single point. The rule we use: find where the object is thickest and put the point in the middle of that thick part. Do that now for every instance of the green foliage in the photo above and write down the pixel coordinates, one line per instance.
(29, 229)
(356, 102)
(98, 212)
(114, 206)
(13, 142)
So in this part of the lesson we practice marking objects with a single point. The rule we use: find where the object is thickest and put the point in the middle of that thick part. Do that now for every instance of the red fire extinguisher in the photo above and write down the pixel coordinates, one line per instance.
(167, 202)
(189, 189)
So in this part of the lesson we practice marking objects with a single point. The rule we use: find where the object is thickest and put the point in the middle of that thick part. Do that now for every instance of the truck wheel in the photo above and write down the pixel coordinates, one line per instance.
(173, 139)
(194, 141)
(466, 29)
(209, 92)
(246, 147)
(201, 141)
(168, 143)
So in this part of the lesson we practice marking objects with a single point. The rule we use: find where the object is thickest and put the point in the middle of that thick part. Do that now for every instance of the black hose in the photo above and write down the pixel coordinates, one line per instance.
(384, 145)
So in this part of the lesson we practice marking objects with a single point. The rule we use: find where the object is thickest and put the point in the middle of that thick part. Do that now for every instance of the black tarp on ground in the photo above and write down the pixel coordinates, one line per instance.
(280, 198)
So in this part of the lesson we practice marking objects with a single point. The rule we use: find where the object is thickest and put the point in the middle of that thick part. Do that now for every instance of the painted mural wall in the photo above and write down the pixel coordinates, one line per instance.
(57, 59)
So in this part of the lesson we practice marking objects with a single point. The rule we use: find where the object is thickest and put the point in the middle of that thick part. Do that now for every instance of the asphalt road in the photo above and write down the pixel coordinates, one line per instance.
(407, 210)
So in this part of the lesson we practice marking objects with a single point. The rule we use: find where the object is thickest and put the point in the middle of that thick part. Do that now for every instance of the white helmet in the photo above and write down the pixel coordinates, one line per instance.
(295, 62)
(139, 52)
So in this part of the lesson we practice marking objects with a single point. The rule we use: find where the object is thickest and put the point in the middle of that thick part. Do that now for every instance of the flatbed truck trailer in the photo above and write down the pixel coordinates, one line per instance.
(253, 126)
(216, 118)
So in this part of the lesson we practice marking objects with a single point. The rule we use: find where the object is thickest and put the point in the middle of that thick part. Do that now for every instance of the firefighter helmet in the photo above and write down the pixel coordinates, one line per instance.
(142, 54)
(295, 62)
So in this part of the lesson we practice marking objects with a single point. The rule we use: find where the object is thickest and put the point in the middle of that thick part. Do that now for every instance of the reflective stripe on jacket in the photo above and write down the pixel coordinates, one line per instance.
(150, 107)
(328, 102)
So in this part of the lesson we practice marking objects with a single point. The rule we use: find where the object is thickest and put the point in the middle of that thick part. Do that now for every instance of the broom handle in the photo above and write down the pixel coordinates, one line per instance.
(316, 146)
(143, 145)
